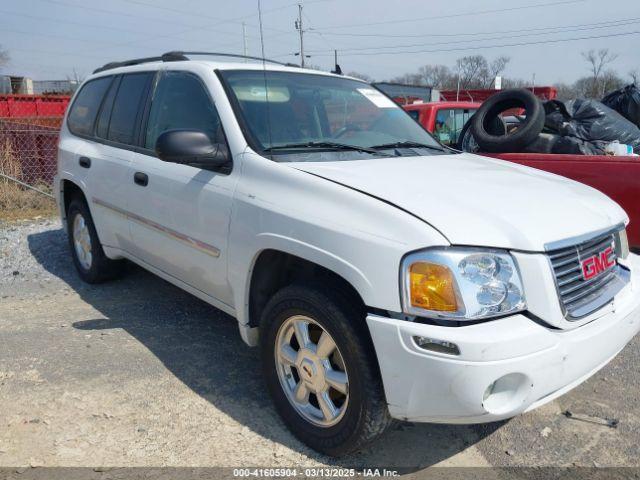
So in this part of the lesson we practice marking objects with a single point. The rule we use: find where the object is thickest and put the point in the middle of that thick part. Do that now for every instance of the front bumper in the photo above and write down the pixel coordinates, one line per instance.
(530, 363)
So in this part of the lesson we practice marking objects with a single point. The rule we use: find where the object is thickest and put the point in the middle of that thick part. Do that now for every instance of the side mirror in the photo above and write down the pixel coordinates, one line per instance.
(191, 147)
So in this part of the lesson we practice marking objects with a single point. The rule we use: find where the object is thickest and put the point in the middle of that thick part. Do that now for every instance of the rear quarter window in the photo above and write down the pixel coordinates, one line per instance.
(82, 114)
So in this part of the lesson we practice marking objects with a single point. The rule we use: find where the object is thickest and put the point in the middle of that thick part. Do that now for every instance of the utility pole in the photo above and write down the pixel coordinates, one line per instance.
(533, 84)
(244, 40)
(299, 28)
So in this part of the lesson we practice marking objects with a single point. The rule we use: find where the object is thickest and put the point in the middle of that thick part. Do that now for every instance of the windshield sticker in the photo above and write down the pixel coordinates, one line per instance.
(377, 98)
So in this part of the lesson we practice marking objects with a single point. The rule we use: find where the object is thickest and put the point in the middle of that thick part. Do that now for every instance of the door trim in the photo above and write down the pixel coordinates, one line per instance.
(187, 240)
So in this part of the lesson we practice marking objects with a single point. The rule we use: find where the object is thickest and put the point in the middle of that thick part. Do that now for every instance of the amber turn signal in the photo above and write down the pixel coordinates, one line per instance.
(432, 287)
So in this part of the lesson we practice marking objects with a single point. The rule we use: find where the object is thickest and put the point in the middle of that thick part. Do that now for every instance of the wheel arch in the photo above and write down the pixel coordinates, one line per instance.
(68, 189)
(285, 261)
(273, 269)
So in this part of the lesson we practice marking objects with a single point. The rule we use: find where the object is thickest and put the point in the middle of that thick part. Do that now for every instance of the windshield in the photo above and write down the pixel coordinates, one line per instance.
(284, 113)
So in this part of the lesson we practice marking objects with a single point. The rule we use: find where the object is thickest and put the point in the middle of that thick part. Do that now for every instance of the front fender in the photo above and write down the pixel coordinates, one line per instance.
(306, 251)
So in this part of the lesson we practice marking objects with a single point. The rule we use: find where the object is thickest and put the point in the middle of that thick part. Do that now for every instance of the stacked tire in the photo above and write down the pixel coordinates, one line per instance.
(487, 129)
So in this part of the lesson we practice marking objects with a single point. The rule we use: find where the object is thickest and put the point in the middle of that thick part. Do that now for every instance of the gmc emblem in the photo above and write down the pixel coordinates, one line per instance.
(594, 266)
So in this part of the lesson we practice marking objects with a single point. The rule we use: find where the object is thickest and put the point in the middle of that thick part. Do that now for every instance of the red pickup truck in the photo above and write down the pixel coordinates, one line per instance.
(617, 177)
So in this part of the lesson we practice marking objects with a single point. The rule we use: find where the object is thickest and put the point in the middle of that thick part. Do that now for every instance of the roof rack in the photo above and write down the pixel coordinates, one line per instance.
(233, 55)
(166, 57)
(177, 56)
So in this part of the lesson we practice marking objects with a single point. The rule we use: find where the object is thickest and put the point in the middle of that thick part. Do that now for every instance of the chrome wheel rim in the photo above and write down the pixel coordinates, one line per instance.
(82, 241)
(311, 370)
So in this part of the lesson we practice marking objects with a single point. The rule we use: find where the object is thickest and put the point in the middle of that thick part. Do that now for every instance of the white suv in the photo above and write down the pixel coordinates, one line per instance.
(382, 274)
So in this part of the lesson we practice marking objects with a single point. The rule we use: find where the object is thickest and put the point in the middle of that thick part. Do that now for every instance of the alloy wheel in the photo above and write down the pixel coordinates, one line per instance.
(311, 370)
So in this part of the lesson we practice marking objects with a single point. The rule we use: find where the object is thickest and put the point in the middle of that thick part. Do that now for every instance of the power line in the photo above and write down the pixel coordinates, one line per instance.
(454, 15)
(562, 40)
(69, 22)
(146, 37)
(53, 35)
(199, 28)
(462, 34)
(449, 42)
(131, 15)
(204, 15)
(317, 32)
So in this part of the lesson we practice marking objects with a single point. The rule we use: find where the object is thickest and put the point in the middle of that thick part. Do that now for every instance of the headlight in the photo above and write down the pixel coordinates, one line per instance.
(461, 284)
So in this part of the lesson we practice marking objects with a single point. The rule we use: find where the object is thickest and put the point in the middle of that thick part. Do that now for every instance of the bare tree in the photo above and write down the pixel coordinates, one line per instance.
(75, 79)
(361, 76)
(611, 81)
(635, 76)
(566, 91)
(471, 71)
(409, 79)
(598, 61)
(496, 67)
(515, 83)
(437, 76)
(476, 72)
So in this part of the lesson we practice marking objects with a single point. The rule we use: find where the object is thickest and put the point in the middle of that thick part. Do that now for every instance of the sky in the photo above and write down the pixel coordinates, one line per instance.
(52, 39)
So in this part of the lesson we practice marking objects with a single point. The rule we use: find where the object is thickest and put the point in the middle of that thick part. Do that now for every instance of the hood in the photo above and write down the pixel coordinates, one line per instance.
(474, 200)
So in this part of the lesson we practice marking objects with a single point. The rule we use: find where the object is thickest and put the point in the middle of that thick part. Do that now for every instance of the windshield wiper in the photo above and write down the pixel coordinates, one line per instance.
(407, 144)
(323, 144)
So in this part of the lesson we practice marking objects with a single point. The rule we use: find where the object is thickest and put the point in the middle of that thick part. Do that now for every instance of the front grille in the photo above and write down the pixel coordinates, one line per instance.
(580, 297)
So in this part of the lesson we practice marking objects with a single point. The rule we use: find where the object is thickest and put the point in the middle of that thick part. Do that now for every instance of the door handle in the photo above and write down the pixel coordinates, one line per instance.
(141, 178)
(85, 162)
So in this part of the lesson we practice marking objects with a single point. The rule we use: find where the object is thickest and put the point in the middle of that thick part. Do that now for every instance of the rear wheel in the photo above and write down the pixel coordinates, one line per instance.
(88, 256)
(321, 371)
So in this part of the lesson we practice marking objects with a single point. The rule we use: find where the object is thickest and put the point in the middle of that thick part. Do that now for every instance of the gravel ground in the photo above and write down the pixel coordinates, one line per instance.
(138, 373)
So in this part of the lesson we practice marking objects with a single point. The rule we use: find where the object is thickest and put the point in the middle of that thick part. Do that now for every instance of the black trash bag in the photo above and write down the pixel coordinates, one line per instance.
(595, 124)
(545, 143)
(625, 101)
(577, 146)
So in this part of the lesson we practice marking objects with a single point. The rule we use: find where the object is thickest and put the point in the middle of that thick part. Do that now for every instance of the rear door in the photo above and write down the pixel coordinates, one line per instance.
(92, 163)
(116, 133)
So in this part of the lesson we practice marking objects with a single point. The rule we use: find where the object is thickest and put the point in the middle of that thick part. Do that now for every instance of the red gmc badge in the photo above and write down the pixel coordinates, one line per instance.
(598, 263)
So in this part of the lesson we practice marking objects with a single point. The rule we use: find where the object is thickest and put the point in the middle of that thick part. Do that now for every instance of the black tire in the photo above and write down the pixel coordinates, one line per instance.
(101, 268)
(366, 414)
(466, 141)
(526, 133)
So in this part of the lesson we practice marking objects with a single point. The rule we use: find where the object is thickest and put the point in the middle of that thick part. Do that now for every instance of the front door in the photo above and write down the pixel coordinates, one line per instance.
(180, 214)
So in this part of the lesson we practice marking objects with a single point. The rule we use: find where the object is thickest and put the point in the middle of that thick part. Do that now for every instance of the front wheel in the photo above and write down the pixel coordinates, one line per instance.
(321, 371)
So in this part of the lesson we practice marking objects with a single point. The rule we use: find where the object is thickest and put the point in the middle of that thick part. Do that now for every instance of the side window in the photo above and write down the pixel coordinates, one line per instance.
(85, 107)
(415, 114)
(102, 125)
(180, 101)
(449, 123)
(126, 107)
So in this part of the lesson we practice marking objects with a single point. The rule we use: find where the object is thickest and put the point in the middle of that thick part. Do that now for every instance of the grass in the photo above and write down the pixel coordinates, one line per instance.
(16, 201)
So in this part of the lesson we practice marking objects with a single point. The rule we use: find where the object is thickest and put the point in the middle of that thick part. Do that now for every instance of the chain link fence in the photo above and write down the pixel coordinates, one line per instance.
(29, 126)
